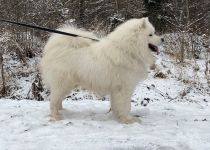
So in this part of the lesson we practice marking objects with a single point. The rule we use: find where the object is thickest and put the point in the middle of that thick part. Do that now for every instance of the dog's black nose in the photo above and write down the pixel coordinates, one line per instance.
(162, 39)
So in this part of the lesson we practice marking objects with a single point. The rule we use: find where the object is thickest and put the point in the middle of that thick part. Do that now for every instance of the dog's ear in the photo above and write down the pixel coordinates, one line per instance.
(145, 20)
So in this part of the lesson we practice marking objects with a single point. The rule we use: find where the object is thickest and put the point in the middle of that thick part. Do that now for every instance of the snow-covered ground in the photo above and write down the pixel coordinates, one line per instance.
(24, 125)
(176, 117)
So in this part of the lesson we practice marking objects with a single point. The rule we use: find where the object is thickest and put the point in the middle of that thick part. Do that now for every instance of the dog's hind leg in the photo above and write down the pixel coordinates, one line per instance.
(57, 95)
(121, 106)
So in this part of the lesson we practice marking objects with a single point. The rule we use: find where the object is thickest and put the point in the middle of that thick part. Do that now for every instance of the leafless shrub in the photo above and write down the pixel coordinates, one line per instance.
(185, 46)
(190, 52)
(36, 89)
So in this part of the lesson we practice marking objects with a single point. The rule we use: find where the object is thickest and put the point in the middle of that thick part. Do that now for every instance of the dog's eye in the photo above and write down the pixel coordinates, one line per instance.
(150, 34)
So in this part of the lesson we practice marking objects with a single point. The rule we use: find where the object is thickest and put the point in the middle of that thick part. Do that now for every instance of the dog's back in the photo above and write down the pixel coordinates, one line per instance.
(80, 41)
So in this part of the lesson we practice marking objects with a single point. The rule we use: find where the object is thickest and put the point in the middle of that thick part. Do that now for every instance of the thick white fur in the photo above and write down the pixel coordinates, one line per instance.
(114, 65)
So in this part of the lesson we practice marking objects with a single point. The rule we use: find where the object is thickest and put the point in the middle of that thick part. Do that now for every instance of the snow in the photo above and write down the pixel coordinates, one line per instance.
(170, 120)
(87, 125)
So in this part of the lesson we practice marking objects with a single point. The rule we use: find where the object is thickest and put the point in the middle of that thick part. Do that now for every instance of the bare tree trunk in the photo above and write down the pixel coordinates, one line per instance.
(187, 12)
(81, 11)
(117, 6)
(182, 56)
(3, 90)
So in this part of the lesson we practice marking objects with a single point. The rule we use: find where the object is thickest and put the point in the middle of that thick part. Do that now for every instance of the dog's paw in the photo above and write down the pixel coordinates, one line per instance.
(129, 119)
(56, 117)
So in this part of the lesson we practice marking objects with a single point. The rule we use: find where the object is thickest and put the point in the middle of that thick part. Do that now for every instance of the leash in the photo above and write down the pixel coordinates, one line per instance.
(44, 29)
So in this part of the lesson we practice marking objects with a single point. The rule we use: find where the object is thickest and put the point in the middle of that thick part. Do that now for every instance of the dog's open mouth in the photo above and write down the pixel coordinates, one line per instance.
(154, 48)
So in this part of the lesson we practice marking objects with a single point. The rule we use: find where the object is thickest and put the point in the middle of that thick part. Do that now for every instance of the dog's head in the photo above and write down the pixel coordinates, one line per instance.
(137, 37)
(148, 32)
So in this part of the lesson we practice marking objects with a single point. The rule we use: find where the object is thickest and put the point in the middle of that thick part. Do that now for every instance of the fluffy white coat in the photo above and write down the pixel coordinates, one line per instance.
(114, 65)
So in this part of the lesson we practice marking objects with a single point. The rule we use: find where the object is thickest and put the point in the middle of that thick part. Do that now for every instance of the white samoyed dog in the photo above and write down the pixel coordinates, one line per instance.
(114, 65)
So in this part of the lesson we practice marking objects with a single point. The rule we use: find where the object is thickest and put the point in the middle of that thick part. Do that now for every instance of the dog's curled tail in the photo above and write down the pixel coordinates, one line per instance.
(82, 40)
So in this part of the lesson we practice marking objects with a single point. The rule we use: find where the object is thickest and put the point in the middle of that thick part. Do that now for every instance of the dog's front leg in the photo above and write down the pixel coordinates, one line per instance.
(121, 106)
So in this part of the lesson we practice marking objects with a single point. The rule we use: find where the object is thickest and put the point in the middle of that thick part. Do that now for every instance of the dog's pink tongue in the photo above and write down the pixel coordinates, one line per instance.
(157, 50)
